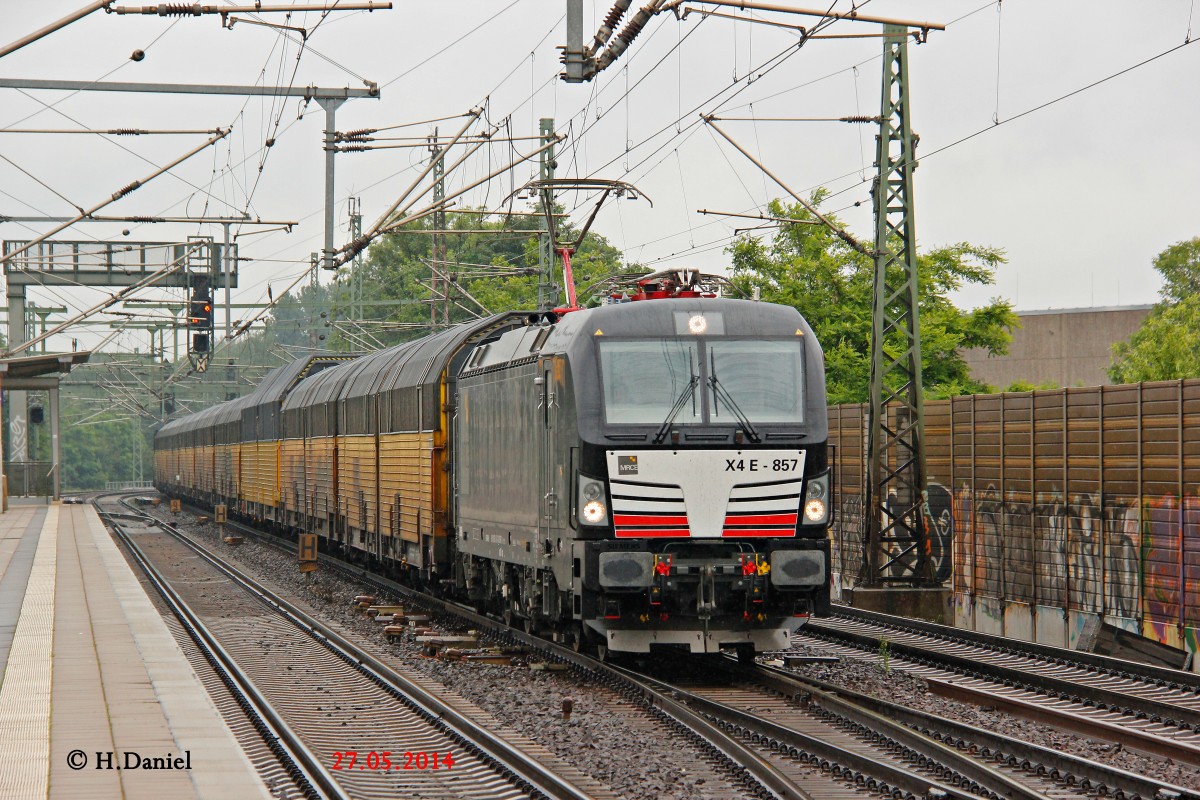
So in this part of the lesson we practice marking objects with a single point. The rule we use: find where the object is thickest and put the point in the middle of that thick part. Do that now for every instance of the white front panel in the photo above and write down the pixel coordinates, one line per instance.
(707, 480)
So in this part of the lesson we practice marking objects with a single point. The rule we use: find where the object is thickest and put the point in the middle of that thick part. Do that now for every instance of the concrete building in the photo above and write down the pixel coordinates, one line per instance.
(1065, 347)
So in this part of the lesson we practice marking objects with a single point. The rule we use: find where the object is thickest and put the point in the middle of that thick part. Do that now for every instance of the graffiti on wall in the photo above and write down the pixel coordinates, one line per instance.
(1085, 553)
(1080, 553)
(939, 518)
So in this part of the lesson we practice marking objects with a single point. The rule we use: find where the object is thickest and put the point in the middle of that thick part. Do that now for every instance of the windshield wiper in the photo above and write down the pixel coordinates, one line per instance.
(720, 394)
(680, 402)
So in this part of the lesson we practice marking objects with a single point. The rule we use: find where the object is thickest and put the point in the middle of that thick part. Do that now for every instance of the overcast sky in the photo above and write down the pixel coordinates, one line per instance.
(1081, 194)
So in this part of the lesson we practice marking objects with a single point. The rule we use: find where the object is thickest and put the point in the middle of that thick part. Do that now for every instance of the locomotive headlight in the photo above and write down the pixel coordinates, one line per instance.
(697, 324)
(816, 486)
(594, 512)
(816, 503)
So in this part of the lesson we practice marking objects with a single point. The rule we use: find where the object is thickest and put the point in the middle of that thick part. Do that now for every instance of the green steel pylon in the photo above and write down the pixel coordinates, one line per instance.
(896, 545)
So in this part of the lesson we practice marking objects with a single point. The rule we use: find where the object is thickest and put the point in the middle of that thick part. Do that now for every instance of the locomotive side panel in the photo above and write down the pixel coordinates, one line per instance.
(499, 433)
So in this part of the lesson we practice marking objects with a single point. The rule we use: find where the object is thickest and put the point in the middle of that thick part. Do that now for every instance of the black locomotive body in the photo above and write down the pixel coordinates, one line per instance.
(635, 475)
(653, 471)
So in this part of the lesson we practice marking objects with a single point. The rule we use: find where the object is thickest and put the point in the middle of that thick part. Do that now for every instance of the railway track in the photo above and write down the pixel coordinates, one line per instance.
(348, 725)
(280, 781)
(1148, 709)
(1046, 770)
(814, 740)
(791, 767)
(756, 776)
(838, 751)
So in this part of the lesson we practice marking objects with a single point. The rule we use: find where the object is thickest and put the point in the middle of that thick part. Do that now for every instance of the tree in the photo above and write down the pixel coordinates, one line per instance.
(1179, 265)
(809, 267)
(1167, 346)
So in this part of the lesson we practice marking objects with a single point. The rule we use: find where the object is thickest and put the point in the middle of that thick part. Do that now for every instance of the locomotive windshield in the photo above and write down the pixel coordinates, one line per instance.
(759, 381)
(643, 380)
(762, 380)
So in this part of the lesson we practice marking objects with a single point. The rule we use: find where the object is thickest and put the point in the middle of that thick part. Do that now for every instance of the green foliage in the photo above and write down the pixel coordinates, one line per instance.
(107, 447)
(1027, 386)
(1167, 346)
(1179, 265)
(809, 267)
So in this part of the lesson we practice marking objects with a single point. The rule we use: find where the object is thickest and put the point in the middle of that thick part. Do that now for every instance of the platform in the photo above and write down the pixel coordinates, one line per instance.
(89, 674)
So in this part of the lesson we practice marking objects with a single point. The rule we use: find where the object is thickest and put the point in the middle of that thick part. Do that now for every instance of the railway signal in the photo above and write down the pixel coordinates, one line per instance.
(200, 319)
(200, 314)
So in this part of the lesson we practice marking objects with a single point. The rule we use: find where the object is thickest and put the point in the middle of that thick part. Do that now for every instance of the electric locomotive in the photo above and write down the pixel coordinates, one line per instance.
(647, 474)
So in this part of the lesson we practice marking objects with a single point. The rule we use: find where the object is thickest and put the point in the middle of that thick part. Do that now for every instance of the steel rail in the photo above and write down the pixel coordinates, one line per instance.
(305, 767)
(1131, 738)
(1160, 676)
(996, 745)
(887, 777)
(1156, 711)
(530, 774)
(921, 743)
(743, 762)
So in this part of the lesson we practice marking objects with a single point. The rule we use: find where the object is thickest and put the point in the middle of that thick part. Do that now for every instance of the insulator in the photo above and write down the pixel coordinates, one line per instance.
(610, 22)
(630, 32)
(143, 219)
(122, 192)
(358, 133)
(179, 10)
(618, 11)
(353, 148)
(860, 118)
(357, 246)
(128, 132)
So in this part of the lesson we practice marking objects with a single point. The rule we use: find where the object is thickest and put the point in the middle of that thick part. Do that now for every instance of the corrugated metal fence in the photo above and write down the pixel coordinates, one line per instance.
(1050, 507)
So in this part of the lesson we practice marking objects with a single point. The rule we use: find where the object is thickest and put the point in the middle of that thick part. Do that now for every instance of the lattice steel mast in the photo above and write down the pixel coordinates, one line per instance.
(896, 546)
(440, 277)
(548, 290)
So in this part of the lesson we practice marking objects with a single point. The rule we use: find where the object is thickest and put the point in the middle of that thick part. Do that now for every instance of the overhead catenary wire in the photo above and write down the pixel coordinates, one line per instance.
(111, 300)
(1040, 107)
(423, 62)
(737, 88)
(42, 183)
(117, 195)
(53, 107)
(958, 19)
(112, 131)
(669, 151)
